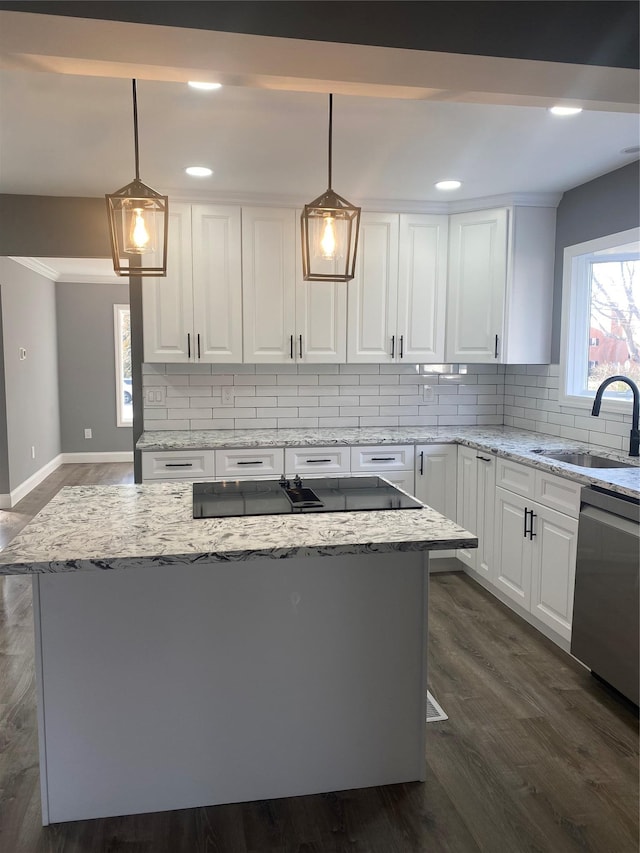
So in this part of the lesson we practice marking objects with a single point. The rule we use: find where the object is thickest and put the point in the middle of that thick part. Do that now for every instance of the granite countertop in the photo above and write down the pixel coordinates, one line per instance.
(510, 443)
(88, 528)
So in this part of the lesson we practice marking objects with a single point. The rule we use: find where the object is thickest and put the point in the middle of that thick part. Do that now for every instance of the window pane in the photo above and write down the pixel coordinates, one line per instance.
(124, 391)
(614, 322)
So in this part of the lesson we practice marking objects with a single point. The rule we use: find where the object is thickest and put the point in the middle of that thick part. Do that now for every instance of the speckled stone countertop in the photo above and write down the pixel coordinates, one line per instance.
(88, 528)
(508, 442)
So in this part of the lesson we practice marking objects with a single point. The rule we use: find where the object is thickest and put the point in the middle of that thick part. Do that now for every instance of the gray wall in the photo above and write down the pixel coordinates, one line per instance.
(606, 205)
(4, 450)
(31, 386)
(86, 367)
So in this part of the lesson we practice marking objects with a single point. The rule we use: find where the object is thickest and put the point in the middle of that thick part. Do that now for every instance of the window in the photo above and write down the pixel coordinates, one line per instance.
(601, 318)
(122, 339)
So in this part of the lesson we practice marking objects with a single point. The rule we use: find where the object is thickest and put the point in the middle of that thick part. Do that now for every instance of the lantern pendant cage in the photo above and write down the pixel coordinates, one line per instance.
(138, 222)
(330, 226)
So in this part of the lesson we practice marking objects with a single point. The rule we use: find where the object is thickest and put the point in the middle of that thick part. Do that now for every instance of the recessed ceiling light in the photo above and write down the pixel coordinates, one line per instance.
(565, 111)
(448, 185)
(207, 87)
(199, 171)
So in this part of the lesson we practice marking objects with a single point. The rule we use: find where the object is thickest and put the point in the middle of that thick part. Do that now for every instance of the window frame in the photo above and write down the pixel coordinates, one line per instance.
(118, 309)
(575, 314)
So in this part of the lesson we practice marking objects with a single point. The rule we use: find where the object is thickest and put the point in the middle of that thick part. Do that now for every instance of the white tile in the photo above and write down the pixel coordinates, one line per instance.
(359, 368)
(611, 427)
(208, 379)
(298, 390)
(400, 369)
(339, 379)
(455, 420)
(250, 402)
(309, 423)
(166, 425)
(386, 400)
(189, 391)
(398, 410)
(469, 389)
(217, 423)
(411, 400)
(280, 412)
(358, 411)
(157, 381)
(227, 412)
(418, 420)
(338, 422)
(341, 400)
(253, 379)
(476, 410)
(256, 423)
(298, 400)
(294, 379)
(319, 368)
(592, 424)
(437, 410)
(153, 368)
(317, 412)
(489, 420)
(248, 391)
(378, 421)
(497, 399)
(237, 368)
(155, 415)
(615, 442)
(576, 434)
(178, 414)
(188, 368)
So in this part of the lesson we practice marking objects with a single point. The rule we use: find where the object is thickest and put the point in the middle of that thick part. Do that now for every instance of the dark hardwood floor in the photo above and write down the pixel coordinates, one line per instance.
(535, 755)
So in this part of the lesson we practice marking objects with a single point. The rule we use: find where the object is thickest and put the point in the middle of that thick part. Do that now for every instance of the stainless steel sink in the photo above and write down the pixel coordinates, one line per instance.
(587, 460)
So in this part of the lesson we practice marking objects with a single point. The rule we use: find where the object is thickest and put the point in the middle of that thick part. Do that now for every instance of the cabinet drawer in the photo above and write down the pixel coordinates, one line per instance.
(404, 480)
(558, 493)
(262, 462)
(317, 460)
(515, 477)
(381, 459)
(177, 464)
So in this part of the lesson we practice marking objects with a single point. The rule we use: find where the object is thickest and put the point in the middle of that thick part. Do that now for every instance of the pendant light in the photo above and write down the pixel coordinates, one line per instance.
(138, 222)
(330, 226)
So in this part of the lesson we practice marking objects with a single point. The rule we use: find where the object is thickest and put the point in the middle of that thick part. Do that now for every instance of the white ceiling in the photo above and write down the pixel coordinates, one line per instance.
(64, 134)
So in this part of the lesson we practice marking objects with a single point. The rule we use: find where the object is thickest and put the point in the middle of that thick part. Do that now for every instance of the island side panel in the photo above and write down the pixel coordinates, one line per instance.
(171, 687)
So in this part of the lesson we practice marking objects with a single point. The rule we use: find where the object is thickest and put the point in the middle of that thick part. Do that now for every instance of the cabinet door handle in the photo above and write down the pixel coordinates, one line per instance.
(422, 462)
(188, 344)
(483, 458)
(291, 346)
(393, 346)
(531, 533)
(178, 464)
(495, 351)
(315, 461)
(525, 531)
(251, 462)
(300, 344)
(401, 346)
(198, 344)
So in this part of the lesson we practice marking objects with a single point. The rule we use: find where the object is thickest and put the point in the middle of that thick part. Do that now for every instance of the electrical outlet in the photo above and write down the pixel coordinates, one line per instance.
(88, 433)
(227, 395)
(22, 353)
(428, 394)
(33, 451)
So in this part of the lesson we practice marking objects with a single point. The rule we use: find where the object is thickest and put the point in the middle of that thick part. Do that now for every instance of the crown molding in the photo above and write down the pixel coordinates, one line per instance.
(37, 266)
(68, 278)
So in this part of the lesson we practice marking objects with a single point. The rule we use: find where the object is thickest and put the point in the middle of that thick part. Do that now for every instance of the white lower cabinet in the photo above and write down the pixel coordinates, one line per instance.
(536, 544)
(177, 465)
(435, 472)
(475, 501)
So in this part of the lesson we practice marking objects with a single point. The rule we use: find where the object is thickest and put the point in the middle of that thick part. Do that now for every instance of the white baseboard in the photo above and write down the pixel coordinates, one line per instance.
(21, 491)
(106, 456)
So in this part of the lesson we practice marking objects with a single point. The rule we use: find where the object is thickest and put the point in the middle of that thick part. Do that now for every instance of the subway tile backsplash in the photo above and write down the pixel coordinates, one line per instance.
(358, 395)
(349, 395)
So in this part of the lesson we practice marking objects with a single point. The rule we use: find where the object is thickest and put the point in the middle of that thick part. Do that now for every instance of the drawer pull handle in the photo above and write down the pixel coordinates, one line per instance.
(483, 458)
(315, 461)
(251, 462)
(178, 464)
(383, 458)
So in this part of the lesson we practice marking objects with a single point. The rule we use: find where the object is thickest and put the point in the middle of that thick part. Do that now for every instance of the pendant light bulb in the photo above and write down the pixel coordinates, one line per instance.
(328, 240)
(140, 238)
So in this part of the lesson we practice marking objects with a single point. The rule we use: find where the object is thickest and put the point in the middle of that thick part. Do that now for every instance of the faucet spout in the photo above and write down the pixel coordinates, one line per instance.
(634, 439)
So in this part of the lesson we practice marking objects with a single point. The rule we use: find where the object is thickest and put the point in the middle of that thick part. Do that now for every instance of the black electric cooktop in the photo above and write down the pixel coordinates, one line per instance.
(285, 497)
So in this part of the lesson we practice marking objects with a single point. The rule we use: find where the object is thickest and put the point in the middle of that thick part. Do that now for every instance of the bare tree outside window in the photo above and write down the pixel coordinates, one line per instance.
(614, 333)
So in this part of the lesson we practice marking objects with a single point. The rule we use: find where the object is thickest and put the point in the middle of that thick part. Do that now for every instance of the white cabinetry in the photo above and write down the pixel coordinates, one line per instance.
(177, 465)
(475, 499)
(287, 319)
(435, 471)
(500, 288)
(397, 298)
(395, 464)
(195, 313)
(323, 461)
(536, 553)
(249, 463)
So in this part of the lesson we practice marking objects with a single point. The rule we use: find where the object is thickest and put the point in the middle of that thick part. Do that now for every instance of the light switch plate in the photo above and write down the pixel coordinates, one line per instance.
(155, 396)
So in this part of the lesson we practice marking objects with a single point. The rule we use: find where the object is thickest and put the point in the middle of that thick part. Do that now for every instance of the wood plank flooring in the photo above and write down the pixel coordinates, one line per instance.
(535, 756)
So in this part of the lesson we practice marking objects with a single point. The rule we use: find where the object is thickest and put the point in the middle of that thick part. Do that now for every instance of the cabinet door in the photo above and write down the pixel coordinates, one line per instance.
(217, 283)
(268, 265)
(167, 303)
(486, 499)
(436, 466)
(512, 573)
(467, 501)
(422, 287)
(477, 285)
(373, 293)
(553, 569)
(321, 315)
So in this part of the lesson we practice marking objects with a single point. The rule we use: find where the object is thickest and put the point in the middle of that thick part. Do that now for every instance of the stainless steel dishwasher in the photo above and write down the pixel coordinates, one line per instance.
(604, 634)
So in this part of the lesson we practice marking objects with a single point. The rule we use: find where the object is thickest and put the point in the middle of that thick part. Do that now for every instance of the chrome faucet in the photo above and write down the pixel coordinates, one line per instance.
(634, 440)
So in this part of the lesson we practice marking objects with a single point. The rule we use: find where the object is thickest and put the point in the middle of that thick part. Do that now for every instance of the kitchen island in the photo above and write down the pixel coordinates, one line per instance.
(184, 662)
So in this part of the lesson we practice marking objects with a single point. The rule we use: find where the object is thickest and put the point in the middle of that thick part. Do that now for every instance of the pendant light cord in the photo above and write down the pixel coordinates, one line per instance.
(135, 129)
(330, 134)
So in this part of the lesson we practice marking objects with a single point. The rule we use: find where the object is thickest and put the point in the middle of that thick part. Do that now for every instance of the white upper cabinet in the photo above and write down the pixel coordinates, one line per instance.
(287, 319)
(500, 286)
(269, 284)
(194, 314)
(397, 298)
